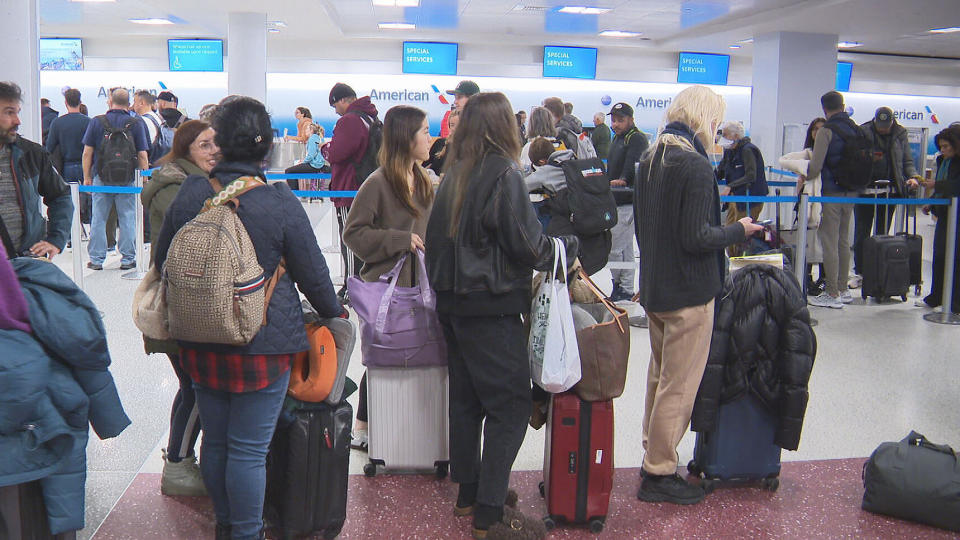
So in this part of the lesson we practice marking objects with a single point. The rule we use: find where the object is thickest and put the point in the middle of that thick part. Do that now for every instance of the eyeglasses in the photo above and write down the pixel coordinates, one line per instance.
(205, 146)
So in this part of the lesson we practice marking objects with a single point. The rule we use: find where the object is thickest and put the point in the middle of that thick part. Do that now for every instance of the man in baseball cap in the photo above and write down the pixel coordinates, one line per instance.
(167, 104)
(463, 92)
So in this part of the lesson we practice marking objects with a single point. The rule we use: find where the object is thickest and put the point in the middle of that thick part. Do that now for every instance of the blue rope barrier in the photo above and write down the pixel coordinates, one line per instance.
(757, 199)
(783, 172)
(110, 189)
(298, 193)
(326, 194)
(305, 176)
(778, 183)
(871, 201)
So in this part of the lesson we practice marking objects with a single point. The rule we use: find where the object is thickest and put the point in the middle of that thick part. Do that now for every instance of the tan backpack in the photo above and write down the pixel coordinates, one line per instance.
(216, 290)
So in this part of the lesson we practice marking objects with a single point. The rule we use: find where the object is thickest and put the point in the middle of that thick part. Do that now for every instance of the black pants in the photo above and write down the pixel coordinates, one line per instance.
(184, 416)
(489, 389)
(863, 226)
(351, 263)
(939, 267)
(362, 399)
(300, 168)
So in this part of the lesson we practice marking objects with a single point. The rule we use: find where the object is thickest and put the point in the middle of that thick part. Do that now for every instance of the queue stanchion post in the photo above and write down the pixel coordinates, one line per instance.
(946, 316)
(75, 234)
(141, 269)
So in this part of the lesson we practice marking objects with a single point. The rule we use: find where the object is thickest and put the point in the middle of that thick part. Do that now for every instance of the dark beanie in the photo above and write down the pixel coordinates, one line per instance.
(340, 91)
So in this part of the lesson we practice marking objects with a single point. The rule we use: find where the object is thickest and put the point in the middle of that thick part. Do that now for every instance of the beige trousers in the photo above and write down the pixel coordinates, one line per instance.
(680, 342)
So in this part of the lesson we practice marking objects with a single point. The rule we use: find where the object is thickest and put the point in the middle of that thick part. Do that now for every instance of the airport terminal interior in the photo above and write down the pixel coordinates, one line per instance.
(881, 369)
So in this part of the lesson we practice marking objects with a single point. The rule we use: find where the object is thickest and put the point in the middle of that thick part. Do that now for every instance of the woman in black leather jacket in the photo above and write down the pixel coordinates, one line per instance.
(483, 242)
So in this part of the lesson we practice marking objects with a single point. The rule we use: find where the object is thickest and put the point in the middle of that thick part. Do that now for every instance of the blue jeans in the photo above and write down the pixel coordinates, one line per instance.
(237, 429)
(126, 204)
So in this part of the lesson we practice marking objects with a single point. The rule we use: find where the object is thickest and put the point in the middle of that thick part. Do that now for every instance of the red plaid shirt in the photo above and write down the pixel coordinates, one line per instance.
(234, 372)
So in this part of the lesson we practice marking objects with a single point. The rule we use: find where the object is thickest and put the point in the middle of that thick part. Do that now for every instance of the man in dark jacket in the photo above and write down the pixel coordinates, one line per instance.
(26, 174)
(47, 116)
(628, 145)
(351, 135)
(742, 168)
(600, 137)
(893, 161)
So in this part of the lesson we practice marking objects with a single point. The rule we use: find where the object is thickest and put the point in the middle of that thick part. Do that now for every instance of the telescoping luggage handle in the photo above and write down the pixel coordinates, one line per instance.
(392, 276)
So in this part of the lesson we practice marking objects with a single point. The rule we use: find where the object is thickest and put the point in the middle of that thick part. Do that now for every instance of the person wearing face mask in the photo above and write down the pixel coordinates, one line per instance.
(193, 153)
(742, 168)
(677, 214)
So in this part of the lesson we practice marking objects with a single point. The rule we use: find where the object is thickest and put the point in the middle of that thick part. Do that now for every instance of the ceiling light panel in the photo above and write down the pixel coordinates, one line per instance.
(949, 30)
(92, 1)
(620, 33)
(396, 3)
(585, 10)
(523, 8)
(849, 44)
(396, 26)
(152, 21)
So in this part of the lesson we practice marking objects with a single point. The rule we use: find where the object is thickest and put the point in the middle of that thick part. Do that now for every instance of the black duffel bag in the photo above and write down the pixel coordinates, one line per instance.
(914, 479)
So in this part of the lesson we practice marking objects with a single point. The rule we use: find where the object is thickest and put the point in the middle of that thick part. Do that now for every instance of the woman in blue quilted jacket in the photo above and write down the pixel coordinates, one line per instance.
(240, 389)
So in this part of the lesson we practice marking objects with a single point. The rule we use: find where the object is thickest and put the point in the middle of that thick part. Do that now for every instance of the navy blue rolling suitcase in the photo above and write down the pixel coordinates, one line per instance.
(741, 449)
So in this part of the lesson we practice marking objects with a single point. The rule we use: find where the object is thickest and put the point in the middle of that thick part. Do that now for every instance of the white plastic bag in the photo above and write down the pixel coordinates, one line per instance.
(552, 348)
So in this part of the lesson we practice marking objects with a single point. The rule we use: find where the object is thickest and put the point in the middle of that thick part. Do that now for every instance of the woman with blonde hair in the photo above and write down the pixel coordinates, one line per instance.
(677, 212)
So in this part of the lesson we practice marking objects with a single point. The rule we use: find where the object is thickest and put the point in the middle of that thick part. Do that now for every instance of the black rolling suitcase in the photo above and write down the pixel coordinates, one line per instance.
(886, 266)
(915, 248)
(307, 470)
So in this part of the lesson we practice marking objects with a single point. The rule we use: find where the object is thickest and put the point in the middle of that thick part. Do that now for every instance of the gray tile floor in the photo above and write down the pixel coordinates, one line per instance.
(881, 370)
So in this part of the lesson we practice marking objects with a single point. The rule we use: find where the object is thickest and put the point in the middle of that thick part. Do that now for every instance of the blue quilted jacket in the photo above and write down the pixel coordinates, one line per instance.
(278, 227)
(54, 384)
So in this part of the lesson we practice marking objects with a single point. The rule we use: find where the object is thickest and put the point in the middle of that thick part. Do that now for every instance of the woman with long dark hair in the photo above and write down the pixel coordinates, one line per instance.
(304, 119)
(194, 152)
(945, 185)
(240, 389)
(484, 241)
(389, 215)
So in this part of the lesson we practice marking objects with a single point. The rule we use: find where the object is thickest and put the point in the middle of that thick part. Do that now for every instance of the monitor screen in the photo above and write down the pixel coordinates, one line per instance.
(570, 62)
(195, 54)
(61, 54)
(703, 68)
(430, 58)
(844, 72)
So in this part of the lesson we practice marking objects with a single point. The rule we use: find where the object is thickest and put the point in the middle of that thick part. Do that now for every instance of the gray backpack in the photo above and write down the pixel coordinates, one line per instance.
(215, 288)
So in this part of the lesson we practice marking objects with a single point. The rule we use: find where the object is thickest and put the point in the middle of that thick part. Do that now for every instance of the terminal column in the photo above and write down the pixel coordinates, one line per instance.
(791, 70)
(21, 60)
(247, 55)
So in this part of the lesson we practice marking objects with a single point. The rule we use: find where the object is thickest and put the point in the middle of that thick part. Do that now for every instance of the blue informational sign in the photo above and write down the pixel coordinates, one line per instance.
(703, 68)
(61, 54)
(429, 58)
(844, 72)
(570, 62)
(195, 54)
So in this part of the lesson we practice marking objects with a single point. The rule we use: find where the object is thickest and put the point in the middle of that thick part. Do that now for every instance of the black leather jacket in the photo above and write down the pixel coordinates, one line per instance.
(486, 269)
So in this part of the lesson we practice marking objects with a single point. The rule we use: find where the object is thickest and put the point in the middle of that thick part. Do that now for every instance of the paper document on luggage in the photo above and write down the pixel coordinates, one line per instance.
(773, 259)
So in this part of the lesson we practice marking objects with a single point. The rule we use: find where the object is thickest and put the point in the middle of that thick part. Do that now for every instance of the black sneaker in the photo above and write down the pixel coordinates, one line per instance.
(670, 488)
(94, 266)
(128, 266)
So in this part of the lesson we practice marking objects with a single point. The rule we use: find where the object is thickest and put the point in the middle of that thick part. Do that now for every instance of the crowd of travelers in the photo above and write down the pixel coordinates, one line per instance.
(481, 205)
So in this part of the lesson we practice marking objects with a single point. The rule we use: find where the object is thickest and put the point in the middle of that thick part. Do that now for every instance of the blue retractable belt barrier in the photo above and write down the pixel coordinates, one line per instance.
(783, 172)
(110, 189)
(298, 193)
(304, 176)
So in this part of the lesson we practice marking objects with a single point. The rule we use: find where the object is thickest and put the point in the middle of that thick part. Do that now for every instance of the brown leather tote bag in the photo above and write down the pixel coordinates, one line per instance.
(604, 343)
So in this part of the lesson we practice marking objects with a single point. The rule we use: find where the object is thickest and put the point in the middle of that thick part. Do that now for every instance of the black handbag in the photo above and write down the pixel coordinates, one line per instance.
(914, 479)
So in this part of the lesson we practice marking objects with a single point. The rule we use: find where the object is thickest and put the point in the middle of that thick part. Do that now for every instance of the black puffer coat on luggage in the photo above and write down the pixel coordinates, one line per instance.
(762, 344)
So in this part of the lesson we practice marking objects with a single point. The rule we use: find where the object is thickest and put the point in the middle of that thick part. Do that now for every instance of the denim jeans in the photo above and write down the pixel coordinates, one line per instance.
(126, 204)
(237, 429)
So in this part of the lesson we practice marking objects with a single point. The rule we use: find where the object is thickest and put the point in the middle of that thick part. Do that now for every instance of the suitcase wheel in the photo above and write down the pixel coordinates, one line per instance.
(549, 523)
(771, 484)
(370, 470)
(442, 468)
(903, 297)
(693, 468)
(596, 525)
(543, 491)
(709, 484)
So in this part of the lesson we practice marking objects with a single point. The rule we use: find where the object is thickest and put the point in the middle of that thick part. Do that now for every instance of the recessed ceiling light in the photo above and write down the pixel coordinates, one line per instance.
(620, 33)
(151, 21)
(849, 44)
(398, 3)
(530, 9)
(277, 24)
(273, 30)
(585, 10)
(396, 26)
(745, 41)
(93, 1)
(949, 30)
(735, 46)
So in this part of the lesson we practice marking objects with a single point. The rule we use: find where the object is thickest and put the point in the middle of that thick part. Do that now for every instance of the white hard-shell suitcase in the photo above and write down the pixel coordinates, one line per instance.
(408, 428)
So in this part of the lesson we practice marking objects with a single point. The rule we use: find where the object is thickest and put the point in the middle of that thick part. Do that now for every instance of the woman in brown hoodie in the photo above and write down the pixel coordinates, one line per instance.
(389, 215)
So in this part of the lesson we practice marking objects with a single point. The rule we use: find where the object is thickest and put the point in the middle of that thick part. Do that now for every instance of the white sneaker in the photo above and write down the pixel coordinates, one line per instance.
(920, 303)
(855, 281)
(825, 300)
(846, 297)
(359, 440)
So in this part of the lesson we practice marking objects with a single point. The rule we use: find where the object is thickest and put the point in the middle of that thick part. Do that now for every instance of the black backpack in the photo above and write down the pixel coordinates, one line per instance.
(117, 153)
(370, 160)
(853, 171)
(593, 209)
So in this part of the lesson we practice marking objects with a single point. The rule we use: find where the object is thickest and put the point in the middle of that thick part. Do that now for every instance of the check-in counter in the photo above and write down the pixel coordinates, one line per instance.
(285, 154)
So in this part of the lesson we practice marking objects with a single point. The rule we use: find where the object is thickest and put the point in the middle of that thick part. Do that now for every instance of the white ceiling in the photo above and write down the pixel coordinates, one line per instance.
(883, 26)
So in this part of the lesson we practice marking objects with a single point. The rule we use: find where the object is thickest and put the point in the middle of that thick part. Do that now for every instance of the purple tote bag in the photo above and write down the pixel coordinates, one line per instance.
(398, 325)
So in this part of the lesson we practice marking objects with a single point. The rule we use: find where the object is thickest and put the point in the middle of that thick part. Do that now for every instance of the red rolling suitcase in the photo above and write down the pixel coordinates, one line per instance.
(578, 461)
